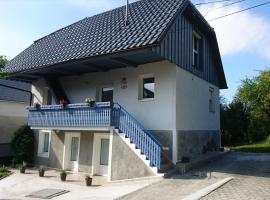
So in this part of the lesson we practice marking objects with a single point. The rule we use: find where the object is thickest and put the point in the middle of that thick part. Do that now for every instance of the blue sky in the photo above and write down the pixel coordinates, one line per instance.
(243, 39)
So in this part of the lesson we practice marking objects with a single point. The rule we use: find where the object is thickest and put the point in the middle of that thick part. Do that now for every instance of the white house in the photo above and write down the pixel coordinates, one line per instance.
(155, 80)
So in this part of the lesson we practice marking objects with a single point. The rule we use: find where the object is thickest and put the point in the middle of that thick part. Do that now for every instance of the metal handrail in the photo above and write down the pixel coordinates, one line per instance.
(140, 124)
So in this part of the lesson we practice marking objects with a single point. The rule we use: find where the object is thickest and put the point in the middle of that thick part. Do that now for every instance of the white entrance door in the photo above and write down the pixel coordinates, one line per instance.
(101, 154)
(72, 149)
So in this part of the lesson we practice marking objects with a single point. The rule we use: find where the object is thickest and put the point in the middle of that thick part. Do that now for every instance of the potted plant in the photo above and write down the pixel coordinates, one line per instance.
(22, 167)
(41, 171)
(63, 102)
(63, 175)
(37, 105)
(90, 101)
(88, 180)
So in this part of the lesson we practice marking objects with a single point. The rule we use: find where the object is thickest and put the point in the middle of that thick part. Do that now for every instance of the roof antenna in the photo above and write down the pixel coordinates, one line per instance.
(126, 19)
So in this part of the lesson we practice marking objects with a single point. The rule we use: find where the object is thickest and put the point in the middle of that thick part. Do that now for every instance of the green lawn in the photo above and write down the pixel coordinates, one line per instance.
(262, 147)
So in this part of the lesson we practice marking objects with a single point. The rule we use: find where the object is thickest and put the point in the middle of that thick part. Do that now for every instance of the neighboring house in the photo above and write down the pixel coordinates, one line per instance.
(14, 98)
(161, 68)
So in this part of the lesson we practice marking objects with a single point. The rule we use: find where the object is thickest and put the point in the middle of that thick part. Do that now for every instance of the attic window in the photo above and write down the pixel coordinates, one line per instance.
(197, 51)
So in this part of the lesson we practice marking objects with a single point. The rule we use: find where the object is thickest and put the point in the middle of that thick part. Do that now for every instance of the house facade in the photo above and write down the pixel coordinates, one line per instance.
(14, 98)
(155, 81)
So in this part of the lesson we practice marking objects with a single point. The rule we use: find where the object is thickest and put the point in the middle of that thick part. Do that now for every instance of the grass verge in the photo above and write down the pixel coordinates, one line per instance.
(261, 147)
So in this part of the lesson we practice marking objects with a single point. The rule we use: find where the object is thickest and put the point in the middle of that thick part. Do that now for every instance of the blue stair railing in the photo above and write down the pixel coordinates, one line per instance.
(137, 133)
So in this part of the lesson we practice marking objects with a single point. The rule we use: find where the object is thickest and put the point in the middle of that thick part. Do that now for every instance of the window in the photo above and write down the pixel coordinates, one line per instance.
(107, 94)
(197, 52)
(147, 87)
(44, 143)
(211, 100)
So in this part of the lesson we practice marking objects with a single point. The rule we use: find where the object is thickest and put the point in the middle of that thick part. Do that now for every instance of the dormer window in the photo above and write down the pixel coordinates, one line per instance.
(197, 51)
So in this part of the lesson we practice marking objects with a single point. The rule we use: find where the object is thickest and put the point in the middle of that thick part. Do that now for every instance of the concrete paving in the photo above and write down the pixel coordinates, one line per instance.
(251, 174)
(18, 186)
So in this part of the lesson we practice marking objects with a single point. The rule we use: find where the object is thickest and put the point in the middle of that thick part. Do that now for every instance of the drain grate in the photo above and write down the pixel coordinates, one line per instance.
(47, 193)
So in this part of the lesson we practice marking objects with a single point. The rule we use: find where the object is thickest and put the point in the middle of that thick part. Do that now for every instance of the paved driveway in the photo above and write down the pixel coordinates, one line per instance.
(18, 186)
(251, 174)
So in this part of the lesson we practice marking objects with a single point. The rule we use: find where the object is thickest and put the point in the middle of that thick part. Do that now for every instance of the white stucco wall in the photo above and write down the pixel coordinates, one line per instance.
(12, 116)
(13, 109)
(192, 103)
(181, 98)
(157, 114)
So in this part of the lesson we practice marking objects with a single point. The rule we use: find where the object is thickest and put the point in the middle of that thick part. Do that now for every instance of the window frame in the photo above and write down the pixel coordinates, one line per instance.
(197, 38)
(41, 143)
(141, 87)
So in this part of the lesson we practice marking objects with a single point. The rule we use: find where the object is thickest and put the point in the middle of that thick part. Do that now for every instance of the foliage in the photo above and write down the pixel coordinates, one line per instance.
(40, 168)
(262, 147)
(23, 145)
(23, 165)
(4, 172)
(234, 124)
(63, 173)
(88, 177)
(3, 61)
(254, 93)
(247, 118)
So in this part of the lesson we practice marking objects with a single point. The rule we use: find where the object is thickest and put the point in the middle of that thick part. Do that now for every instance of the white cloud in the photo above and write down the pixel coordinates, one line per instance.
(243, 32)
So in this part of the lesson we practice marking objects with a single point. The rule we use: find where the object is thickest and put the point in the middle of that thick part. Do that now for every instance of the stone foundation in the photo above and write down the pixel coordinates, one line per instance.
(192, 144)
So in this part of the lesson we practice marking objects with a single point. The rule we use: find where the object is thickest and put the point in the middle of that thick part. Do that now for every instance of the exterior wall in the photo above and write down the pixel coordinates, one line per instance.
(192, 103)
(12, 116)
(166, 139)
(56, 150)
(55, 159)
(39, 90)
(125, 163)
(86, 152)
(157, 114)
(196, 128)
(177, 47)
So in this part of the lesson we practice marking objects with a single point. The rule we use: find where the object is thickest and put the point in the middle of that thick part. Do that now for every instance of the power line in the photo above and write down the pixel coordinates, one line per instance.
(223, 6)
(233, 13)
(210, 2)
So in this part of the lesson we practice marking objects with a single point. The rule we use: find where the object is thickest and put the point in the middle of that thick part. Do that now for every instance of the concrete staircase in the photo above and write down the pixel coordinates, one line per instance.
(166, 165)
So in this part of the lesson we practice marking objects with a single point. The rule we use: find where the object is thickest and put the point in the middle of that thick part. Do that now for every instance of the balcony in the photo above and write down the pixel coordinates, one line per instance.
(72, 115)
(102, 115)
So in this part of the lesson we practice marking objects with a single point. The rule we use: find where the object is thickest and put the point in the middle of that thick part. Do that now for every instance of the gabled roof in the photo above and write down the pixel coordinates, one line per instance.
(100, 42)
(100, 34)
(14, 91)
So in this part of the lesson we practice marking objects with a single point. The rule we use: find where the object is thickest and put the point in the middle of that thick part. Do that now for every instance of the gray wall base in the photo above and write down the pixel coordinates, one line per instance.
(192, 144)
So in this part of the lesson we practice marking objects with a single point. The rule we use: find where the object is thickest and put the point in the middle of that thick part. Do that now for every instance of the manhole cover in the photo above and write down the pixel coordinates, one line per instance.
(47, 193)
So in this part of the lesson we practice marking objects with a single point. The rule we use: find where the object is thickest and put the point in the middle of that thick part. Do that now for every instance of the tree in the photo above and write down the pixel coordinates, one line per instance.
(254, 94)
(234, 124)
(3, 61)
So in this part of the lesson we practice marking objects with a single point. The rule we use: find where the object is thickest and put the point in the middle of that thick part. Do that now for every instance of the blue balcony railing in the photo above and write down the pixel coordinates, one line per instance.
(73, 115)
(101, 115)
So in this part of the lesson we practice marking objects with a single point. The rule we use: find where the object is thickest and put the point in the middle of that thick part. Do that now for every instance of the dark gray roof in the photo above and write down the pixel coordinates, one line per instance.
(14, 91)
(100, 34)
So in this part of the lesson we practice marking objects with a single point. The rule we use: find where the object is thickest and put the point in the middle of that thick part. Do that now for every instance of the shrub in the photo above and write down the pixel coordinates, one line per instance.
(4, 171)
(23, 145)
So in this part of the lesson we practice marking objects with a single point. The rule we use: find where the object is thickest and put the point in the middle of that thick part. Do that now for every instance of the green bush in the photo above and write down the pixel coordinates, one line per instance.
(4, 171)
(23, 145)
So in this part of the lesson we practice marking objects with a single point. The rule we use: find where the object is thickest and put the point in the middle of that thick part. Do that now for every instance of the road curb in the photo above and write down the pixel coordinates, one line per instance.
(205, 191)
